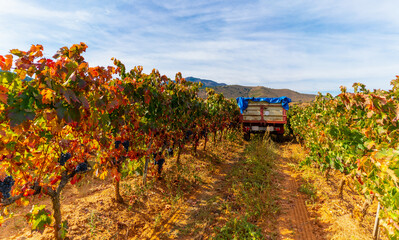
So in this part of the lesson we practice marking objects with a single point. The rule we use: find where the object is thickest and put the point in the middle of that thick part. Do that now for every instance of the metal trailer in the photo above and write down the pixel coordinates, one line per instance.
(261, 116)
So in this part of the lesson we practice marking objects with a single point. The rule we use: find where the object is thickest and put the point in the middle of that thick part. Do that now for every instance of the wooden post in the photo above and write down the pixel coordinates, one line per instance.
(145, 171)
(376, 223)
(146, 166)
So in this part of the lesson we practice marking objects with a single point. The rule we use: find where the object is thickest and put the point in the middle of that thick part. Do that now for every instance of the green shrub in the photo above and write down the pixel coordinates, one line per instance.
(238, 229)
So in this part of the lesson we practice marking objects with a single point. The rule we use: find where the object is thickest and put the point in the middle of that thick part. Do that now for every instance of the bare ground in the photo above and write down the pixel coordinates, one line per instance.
(193, 201)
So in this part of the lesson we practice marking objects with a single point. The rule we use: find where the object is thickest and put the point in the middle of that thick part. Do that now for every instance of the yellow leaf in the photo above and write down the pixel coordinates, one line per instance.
(103, 175)
(47, 95)
(25, 202)
(21, 73)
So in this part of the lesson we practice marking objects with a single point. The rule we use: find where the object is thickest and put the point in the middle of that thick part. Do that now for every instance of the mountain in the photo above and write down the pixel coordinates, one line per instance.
(27, 78)
(234, 91)
(205, 82)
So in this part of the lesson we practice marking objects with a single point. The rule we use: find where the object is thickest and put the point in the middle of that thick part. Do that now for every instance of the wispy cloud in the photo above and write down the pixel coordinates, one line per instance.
(307, 46)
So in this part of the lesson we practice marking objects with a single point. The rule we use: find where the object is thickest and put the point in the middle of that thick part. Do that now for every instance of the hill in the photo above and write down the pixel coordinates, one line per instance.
(234, 91)
(205, 82)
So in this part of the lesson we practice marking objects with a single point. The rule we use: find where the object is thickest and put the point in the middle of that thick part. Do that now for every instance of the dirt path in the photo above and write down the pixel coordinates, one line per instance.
(310, 204)
(294, 221)
(196, 216)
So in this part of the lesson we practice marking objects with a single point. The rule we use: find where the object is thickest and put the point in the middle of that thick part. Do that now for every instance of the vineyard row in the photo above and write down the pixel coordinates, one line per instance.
(61, 118)
(357, 134)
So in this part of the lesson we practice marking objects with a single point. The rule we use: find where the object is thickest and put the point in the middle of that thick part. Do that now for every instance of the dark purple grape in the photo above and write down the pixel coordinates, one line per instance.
(126, 145)
(5, 186)
(160, 165)
(117, 143)
(161, 162)
(64, 158)
(188, 134)
(82, 167)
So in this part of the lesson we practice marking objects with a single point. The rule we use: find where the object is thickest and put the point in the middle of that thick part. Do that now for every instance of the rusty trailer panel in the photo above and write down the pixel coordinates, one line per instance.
(264, 112)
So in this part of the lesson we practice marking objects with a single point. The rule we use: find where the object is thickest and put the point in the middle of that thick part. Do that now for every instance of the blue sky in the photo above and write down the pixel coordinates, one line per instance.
(307, 46)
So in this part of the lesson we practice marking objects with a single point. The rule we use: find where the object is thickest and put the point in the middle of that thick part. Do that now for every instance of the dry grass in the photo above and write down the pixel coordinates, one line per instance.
(251, 207)
(340, 215)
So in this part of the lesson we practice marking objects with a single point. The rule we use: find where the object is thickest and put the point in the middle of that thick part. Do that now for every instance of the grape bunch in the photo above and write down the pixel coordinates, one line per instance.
(188, 134)
(117, 143)
(82, 167)
(170, 152)
(64, 157)
(125, 144)
(5, 186)
(159, 162)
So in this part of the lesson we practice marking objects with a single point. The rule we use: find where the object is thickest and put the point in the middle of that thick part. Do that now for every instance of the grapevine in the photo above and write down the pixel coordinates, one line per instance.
(71, 119)
(355, 133)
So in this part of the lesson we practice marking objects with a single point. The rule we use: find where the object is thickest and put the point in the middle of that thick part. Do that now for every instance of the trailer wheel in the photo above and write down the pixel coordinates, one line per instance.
(280, 138)
(247, 136)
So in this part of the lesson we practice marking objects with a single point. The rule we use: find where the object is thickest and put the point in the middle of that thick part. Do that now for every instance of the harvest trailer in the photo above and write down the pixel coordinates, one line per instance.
(259, 115)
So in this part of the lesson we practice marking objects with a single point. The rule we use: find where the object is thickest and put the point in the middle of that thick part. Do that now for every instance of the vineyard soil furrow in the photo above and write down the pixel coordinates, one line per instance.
(294, 222)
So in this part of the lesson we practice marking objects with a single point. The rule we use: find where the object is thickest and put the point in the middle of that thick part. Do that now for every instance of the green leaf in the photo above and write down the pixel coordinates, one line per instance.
(39, 218)
(17, 116)
(11, 145)
(64, 229)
